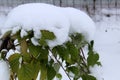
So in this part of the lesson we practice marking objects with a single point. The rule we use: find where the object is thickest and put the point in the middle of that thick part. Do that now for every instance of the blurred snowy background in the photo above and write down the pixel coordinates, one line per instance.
(106, 14)
(90, 6)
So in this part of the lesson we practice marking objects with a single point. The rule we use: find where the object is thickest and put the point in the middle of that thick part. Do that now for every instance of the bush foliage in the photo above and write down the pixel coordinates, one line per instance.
(31, 59)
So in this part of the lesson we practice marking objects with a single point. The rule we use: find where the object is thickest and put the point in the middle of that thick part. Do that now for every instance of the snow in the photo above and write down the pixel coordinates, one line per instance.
(2, 20)
(9, 53)
(107, 43)
(34, 41)
(4, 70)
(111, 11)
(97, 71)
(23, 33)
(38, 16)
(80, 22)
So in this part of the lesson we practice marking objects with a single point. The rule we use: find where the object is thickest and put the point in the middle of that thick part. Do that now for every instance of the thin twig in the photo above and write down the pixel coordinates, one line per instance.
(60, 65)
(82, 53)
(83, 59)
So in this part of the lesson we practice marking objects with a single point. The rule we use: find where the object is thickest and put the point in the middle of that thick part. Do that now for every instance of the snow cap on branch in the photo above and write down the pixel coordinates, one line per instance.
(60, 21)
(39, 16)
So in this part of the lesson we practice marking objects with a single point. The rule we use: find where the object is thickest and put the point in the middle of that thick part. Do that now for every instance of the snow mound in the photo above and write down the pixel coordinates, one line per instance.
(39, 16)
(80, 22)
(4, 70)
(2, 20)
(60, 21)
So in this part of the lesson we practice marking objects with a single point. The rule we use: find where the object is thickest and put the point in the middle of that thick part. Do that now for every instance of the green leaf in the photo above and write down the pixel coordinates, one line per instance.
(42, 42)
(14, 62)
(43, 56)
(51, 61)
(92, 59)
(54, 51)
(73, 69)
(88, 77)
(73, 51)
(29, 35)
(43, 75)
(99, 63)
(47, 35)
(63, 53)
(56, 67)
(35, 68)
(3, 54)
(59, 76)
(29, 71)
(34, 50)
(78, 40)
(25, 72)
(26, 57)
(90, 46)
(50, 73)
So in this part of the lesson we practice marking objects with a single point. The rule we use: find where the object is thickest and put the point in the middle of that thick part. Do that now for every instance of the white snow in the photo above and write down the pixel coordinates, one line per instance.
(107, 43)
(80, 22)
(34, 41)
(2, 21)
(39, 16)
(97, 71)
(111, 11)
(23, 33)
(9, 53)
(4, 70)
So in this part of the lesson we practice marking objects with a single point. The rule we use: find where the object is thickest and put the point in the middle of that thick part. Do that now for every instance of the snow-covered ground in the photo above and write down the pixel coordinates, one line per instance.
(4, 70)
(107, 44)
